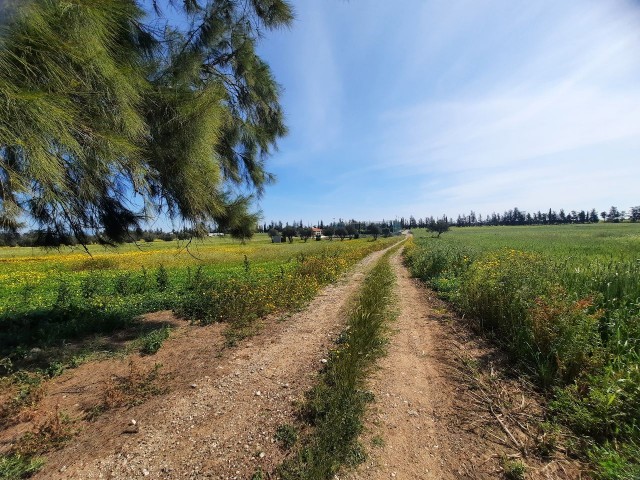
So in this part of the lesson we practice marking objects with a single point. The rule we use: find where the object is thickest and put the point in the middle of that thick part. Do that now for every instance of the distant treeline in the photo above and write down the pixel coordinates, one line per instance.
(53, 239)
(341, 228)
(522, 217)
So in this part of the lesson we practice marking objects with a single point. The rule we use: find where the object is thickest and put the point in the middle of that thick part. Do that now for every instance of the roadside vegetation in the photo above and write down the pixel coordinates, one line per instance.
(563, 302)
(333, 410)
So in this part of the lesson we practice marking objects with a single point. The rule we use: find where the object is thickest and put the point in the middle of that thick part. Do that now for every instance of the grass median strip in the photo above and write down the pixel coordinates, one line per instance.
(334, 408)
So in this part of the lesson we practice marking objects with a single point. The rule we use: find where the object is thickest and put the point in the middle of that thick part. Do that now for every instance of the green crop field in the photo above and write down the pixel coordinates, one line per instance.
(51, 298)
(565, 303)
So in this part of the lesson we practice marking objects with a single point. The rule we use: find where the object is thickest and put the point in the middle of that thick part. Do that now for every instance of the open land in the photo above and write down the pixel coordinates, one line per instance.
(164, 363)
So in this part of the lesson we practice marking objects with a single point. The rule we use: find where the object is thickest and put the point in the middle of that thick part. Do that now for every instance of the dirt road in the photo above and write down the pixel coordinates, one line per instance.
(426, 423)
(220, 420)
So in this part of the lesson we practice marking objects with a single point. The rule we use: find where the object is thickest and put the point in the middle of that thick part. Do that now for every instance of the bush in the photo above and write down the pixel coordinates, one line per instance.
(151, 342)
(565, 336)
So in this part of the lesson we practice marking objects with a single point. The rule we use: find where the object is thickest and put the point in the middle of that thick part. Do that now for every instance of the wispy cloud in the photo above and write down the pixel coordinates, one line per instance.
(440, 107)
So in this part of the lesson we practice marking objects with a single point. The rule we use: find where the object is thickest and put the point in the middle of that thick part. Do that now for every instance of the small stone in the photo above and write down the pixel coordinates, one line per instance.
(132, 422)
(413, 413)
(145, 472)
(193, 385)
(262, 455)
(324, 360)
(258, 393)
(64, 467)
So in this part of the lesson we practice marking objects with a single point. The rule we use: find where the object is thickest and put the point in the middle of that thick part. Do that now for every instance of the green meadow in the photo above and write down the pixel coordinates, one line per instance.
(51, 298)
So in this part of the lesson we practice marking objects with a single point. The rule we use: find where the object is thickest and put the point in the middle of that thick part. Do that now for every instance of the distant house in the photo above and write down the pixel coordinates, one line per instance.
(217, 234)
(317, 232)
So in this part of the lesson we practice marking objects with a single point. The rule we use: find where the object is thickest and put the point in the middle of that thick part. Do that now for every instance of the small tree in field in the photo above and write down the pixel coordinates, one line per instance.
(386, 232)
(341, 233)
(289, 232)
(373, 230)
(438, 226)
(329, 232)
(351, 231)
(305, 234)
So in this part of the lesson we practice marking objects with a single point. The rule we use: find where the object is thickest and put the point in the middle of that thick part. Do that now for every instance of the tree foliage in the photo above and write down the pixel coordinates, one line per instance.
(114, 111)
(373, 230)
(329, 231)
(438, 226)
(305, 233)
(289, 232)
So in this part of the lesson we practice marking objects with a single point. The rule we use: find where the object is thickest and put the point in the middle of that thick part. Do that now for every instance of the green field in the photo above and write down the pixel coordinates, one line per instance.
(51, 298)
(564, 301)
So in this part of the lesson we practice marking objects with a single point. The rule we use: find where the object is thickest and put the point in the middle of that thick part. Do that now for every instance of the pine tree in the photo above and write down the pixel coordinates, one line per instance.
(113, 111)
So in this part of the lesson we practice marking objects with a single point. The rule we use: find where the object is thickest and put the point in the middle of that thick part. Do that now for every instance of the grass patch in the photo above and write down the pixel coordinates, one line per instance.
(15, 466)
(152, 341)
(334, 408)
(286, 436)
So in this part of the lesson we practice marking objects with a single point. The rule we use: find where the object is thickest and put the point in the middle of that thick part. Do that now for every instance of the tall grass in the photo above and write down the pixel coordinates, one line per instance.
(571, 322)
(336, 405)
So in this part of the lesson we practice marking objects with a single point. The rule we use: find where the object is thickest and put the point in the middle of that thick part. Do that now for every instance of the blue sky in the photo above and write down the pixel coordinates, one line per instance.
(431, 107)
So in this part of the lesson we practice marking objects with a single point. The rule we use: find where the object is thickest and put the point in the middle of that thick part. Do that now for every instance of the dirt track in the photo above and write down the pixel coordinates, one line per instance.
(223, 426)
(223, 405)
(426, 423)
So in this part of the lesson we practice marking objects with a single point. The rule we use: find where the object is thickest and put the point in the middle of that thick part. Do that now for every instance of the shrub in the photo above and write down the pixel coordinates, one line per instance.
(565, 336)
(162, 278)
(152, 341)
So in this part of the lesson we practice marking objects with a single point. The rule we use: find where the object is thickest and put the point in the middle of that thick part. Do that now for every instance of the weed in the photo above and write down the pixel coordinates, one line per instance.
(258, 475)
(378, 441)
(54, 369)
(513, 469)
(239, 330)
(134, 388)
(29, 390)
(94, 412)
(64, 296)
(122, 284)
(286, 436)
(547, 439)
(91, 285)
(51, 435)
(162, 278)
(152, 341)
(15, 466)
